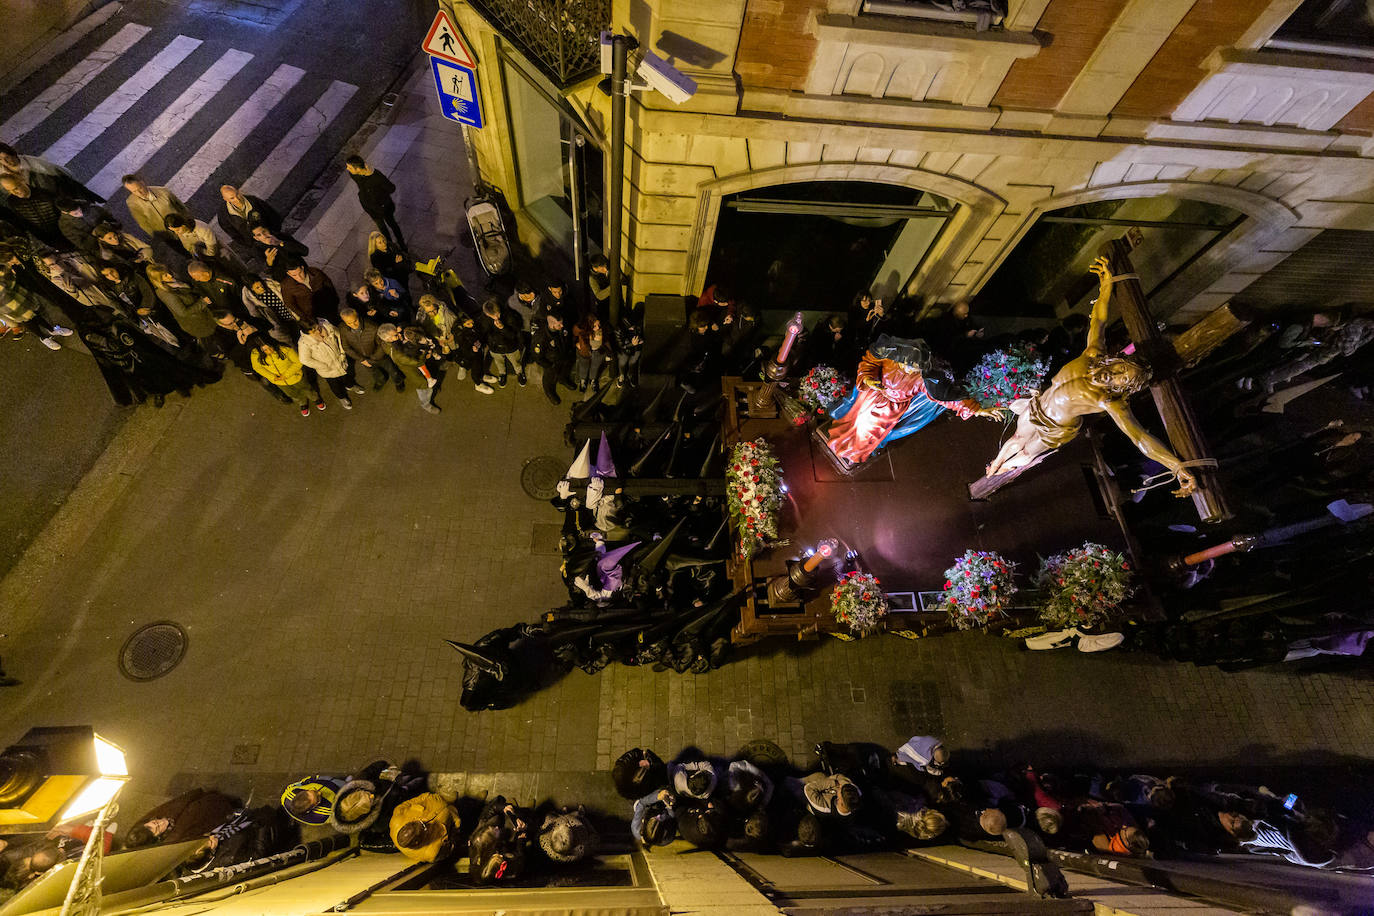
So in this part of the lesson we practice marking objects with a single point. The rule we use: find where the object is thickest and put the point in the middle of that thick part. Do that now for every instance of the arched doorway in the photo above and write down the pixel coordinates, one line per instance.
(1046, 275)
(972, 210)
(1191, 235)
(813, 244)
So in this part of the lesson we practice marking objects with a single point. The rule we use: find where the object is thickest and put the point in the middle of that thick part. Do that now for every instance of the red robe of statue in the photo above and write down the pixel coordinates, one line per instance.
(877, 411)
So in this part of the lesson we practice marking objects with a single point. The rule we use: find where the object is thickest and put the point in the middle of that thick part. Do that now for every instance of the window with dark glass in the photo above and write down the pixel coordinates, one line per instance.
(1327, 26)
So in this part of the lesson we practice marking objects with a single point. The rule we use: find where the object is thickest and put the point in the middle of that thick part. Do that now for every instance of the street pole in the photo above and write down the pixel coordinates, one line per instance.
(575, 204)
(615, 199)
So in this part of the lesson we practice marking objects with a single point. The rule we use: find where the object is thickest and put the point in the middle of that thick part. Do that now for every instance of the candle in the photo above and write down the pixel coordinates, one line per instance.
(794, 329)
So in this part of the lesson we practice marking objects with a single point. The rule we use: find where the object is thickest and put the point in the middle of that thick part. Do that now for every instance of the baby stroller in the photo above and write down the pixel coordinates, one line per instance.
(488, 233)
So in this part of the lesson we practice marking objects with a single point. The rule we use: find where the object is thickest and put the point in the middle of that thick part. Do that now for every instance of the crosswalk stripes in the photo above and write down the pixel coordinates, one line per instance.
(71, 82)
(172, 119)
(188, 179)
(113, 106)
(303, 134)
(167, 104)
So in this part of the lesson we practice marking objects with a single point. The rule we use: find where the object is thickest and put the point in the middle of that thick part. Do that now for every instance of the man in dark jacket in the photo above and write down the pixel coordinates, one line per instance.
(35, 209)
(359, 338)
(275, 251)
(501, 327)
(240, 214)
(77, 222)
(189, 816)
(374, 193)
(553, 353)
(307, 292)
(222, 293)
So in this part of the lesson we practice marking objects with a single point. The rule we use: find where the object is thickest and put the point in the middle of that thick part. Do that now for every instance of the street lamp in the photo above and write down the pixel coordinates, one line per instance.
(57, 774)
(64, 774)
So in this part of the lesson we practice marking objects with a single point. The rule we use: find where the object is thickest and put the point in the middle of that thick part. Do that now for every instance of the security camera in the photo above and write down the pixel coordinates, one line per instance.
(606, 44)
(667, 79)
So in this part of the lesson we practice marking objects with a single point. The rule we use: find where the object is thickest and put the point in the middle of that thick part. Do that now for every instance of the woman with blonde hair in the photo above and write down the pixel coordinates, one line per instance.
(392, 262)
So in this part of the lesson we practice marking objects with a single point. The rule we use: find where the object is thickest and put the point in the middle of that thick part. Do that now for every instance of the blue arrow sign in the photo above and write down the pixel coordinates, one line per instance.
(457, 87)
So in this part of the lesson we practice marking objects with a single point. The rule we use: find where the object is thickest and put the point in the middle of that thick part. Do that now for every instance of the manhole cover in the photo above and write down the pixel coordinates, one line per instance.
(152, 651)
(540, 475)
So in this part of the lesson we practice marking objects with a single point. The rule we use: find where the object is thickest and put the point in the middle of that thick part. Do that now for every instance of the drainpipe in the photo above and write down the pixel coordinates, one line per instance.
(615, 200)
(575, 142)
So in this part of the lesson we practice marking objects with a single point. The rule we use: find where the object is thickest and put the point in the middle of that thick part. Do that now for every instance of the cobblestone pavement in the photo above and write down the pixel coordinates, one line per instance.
(317, 565)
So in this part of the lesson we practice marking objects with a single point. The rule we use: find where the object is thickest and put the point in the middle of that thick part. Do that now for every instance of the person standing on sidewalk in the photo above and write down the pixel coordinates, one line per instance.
(321, 349)
(22, 308)
(409, 358)
(553, 353)
(359, 336)
(150, 205)
(281, 366)
(374, 193)
(501, 328)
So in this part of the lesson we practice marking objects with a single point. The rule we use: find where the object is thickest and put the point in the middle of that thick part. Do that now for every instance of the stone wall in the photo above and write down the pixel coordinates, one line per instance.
(681, 165)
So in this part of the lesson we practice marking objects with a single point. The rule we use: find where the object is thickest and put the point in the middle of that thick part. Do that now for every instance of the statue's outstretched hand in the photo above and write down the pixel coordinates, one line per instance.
(1102, 267)
(1187, 483)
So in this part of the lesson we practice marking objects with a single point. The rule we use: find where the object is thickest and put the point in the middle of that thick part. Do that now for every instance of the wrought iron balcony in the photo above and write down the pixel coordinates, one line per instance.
(561, 37)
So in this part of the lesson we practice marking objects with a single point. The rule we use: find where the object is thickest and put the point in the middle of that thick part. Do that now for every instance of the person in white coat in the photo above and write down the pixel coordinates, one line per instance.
(321, 349)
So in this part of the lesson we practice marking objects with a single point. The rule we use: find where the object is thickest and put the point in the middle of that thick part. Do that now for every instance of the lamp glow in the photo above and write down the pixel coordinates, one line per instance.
(109, 758)
(92, 798)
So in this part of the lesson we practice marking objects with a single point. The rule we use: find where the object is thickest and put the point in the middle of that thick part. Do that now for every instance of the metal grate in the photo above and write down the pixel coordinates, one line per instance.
(561, 37)
(152, 651)
(540, 475)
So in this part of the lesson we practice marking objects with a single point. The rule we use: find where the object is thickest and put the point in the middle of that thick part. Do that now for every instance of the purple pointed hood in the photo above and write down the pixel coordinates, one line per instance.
(605, 466)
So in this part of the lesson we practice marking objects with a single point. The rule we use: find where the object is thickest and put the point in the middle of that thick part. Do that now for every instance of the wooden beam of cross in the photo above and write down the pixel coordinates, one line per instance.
(1180, 423)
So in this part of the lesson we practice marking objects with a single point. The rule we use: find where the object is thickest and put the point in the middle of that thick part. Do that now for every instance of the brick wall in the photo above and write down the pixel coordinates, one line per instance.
(1176, 69)
(1072, 29)
(776, 44)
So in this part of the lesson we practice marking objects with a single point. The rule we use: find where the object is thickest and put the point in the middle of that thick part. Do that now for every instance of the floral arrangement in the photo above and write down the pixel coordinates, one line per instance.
(978, 589)
(858, 602)
(1004, 375)
(753, 483)
(821, 389)
(1083, 585)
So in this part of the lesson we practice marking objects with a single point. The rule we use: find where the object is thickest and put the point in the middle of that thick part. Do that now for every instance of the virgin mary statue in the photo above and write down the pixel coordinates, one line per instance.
(898, 391)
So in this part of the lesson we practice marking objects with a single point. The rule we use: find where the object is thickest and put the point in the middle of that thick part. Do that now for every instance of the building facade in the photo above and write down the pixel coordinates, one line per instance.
(985, 153)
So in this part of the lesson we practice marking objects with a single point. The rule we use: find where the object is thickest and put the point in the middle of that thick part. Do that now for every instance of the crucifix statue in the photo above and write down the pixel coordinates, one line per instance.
(1101, 383)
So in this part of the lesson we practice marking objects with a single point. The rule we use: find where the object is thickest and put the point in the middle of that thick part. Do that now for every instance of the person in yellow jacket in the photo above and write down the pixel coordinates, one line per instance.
(280, 365)
(425, 828)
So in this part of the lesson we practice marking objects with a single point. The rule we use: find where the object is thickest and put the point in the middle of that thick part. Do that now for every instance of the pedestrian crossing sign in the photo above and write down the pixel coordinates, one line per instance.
(457, 86)
(443, 40)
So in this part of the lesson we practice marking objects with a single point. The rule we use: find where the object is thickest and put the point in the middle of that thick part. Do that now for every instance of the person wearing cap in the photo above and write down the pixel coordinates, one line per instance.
(833, 795)
(424, 828)
(499, 842)
(366, 802)
(693, 778)
(746, 786)
(926, 753)
(637, 772)
(654, 822)
(311, 800)
(566, 836)
(704, 825)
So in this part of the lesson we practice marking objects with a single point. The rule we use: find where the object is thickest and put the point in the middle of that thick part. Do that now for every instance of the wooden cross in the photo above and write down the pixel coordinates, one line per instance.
(1165, 358)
